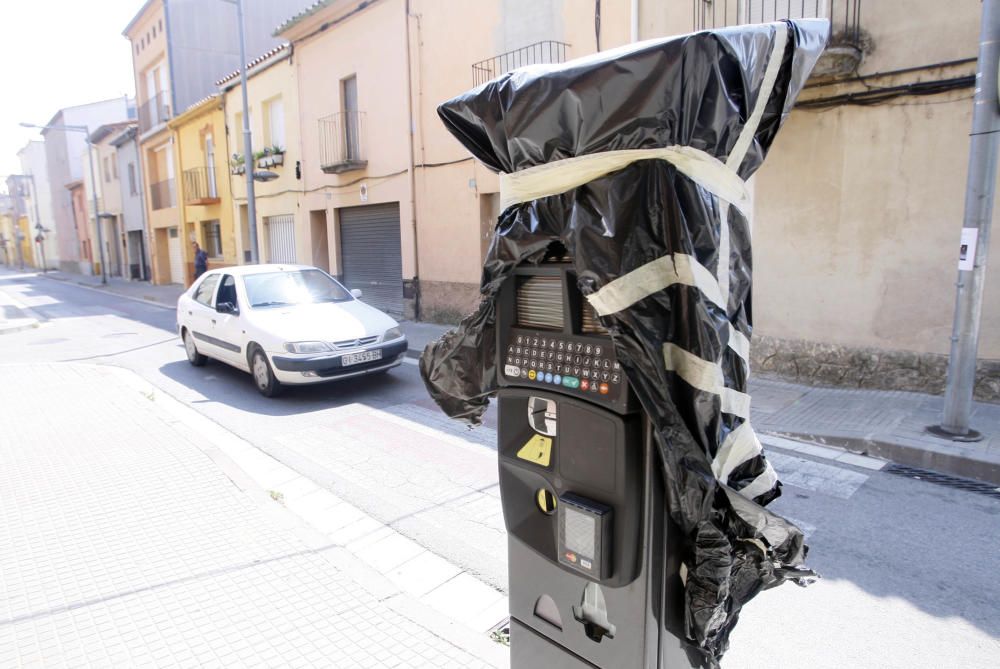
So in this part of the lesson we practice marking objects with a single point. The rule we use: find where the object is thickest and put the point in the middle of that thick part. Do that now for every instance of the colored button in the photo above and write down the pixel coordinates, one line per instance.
(548, 377)
(571, 382)
(604, 389)
(585, 385)
(557, 379)
(531, 374)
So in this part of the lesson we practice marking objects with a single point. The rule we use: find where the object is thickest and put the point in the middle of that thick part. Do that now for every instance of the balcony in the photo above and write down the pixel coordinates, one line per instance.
(154, 111)
(847, 43)
(342, 142)
(201, 185)
(548, 51)
(161, 194)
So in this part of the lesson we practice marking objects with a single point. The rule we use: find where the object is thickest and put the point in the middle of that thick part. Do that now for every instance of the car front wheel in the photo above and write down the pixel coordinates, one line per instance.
(263, 376)
(195, 358)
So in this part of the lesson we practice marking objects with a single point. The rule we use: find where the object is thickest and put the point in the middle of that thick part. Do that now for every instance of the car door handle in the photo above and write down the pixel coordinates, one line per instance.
(190, 312)
(213, 321)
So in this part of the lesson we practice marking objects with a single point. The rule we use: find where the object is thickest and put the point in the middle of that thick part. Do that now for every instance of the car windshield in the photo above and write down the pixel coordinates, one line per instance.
(278, 289)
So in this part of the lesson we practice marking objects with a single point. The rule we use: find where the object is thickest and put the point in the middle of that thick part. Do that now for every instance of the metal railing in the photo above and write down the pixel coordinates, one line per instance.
(161, 194)
(342, 142)
(844, 15)
(548, 51)
(201, 184)
(154, 111)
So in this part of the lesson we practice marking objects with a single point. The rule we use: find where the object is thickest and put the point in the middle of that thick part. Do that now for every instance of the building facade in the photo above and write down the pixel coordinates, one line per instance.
(179, 49)
(285, 231)
(109, 200)
(205, 200)
(63, 150)
(39, 202)
(136, 245)
(405, 212)
(859, 206)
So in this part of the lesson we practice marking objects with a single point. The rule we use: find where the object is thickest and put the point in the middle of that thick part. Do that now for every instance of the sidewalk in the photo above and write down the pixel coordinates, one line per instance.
(134, 532)
(163, 295)
(884, 424)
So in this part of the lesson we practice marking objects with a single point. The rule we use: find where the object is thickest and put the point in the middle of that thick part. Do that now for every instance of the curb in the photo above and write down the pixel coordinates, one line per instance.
(32, 318)
(11, 329)
(109, 291)
(947, 463)
(415, 582)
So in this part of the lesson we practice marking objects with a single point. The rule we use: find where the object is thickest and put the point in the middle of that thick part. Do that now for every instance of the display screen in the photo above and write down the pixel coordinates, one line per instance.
(580, 528)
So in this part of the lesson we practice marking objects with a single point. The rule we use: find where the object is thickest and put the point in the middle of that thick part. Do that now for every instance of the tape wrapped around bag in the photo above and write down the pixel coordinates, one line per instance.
(635, 161)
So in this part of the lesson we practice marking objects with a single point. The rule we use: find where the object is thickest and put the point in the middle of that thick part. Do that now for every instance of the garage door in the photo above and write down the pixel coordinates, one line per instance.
(281, 238)
(370, 256)
(176, 261)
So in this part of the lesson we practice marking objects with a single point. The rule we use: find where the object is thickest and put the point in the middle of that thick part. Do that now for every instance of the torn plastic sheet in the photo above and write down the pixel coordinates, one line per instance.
(665, 261)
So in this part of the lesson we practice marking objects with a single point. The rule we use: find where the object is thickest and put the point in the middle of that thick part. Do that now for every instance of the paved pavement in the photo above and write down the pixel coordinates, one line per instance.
(883, 424)
(132, 534)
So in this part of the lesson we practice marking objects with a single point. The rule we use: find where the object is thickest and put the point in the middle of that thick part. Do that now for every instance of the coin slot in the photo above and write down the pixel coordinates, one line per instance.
(546, 501)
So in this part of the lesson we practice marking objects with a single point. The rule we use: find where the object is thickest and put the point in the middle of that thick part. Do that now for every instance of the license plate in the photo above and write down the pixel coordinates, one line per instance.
(363, 356)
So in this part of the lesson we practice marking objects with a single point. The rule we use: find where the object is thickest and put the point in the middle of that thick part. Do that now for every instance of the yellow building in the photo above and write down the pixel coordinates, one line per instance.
(205, 202)
(285, 232)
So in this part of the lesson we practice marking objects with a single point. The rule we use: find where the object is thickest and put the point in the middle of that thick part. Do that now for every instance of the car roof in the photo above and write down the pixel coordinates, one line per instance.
(246, 270)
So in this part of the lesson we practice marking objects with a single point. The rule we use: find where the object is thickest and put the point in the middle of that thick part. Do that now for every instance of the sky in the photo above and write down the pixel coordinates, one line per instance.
(58, 53)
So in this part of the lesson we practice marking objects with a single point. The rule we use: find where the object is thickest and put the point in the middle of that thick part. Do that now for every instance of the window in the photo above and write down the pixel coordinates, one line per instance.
(114, 168)
(154, 31)
(206, 290)
(238, 132)
(227, 291)
(274, 119)
(132, 187)
(309, 286)
(161, 25)
(352, 130)
(212, 238)
(107, 170)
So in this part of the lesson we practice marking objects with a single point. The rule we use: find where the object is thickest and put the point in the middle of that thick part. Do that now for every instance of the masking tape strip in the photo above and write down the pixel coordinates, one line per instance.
(739, 151)
(563, 175)
(739, 446)
(706, 376)
(651, 278)
(739, 343)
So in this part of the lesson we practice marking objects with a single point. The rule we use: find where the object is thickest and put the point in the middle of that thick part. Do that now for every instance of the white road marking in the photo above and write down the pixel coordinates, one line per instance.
(809, 475)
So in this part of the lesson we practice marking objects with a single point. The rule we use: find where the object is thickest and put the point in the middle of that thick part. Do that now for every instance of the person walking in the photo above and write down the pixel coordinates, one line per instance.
(200, 260)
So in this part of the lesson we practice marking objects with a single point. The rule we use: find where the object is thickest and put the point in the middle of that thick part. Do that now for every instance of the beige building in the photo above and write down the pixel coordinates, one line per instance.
(109, 198)
(403, 209)
(858, 208)
(285, 231)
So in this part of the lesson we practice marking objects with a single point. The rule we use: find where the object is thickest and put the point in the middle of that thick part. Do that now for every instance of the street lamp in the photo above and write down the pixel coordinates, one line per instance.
(247, 145)
(93, 181)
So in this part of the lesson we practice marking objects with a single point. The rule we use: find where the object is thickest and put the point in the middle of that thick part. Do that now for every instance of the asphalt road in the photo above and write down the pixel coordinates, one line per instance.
(910, 567)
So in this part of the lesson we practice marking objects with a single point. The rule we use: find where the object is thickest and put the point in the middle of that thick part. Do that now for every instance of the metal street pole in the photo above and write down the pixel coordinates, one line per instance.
(247, 144)
(38, 220)
(97, 217)
(975, 235)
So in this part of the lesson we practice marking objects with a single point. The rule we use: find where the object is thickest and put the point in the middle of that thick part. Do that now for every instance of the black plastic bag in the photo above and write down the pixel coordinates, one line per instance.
(662, 251)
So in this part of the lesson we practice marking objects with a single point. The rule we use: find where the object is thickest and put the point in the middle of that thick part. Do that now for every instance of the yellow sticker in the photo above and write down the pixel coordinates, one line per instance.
(538, 450)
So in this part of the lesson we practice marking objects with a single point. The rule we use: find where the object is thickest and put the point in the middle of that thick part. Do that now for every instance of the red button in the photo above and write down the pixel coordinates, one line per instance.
(604, 389)
(584, 384)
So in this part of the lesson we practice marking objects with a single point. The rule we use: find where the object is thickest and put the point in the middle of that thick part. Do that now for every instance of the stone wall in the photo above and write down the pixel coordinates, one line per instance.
(447, 302)
(832, 365)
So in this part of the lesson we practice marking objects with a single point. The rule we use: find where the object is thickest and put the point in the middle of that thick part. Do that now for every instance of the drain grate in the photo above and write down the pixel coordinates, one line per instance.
(943, 479)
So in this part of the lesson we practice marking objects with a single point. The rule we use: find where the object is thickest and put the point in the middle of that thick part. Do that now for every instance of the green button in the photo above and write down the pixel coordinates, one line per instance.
(571, 382)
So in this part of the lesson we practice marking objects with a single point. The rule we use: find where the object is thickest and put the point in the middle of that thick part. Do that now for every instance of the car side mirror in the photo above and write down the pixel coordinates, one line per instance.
(356, 293)
(227, 308)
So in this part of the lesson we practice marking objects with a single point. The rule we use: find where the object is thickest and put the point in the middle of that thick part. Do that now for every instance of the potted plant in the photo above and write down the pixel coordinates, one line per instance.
(262, 158)
(277, 155)
(237, 165)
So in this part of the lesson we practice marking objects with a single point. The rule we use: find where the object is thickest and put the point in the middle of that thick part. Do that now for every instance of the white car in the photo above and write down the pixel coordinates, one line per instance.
(285, 324)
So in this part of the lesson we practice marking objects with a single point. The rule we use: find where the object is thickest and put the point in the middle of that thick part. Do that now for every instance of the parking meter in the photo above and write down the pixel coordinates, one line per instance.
(582, 497)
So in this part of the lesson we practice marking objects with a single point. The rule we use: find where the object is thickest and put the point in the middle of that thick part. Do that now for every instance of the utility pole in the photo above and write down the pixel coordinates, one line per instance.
(979, 192)
(247, 144)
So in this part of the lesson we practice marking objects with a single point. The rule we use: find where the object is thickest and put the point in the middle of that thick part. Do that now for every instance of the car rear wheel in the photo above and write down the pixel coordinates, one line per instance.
(263, 375)
(195, 358)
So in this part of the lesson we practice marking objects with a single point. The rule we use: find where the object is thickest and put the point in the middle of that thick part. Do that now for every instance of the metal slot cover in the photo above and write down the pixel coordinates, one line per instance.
(540, 302)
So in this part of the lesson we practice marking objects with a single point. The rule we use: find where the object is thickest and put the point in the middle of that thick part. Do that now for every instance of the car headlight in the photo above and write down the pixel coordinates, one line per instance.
(307, 347)
(392, 333)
